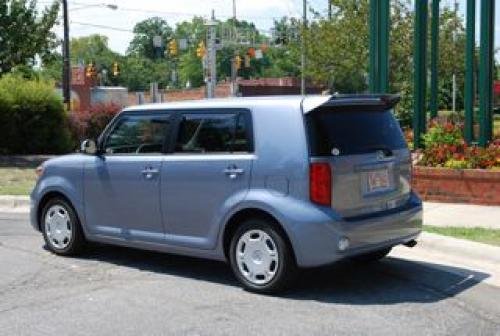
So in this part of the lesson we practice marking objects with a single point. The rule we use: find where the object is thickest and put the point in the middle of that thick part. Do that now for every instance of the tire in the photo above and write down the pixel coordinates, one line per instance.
(372, 256)
(63, 234)
(251, 255)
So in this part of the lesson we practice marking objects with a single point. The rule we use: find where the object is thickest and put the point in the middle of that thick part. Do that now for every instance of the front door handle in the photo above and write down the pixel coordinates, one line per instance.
(233, 172)
(149, 173)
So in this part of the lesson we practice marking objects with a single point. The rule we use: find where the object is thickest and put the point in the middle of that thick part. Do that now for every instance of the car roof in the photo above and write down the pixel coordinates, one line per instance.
(232, 102)
(294, 102)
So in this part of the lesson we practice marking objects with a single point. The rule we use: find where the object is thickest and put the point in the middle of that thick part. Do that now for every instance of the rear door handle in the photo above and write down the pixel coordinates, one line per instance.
(233, 172)
(149, 173)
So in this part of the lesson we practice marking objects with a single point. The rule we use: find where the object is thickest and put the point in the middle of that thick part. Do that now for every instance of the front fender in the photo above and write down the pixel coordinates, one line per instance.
(69, 187)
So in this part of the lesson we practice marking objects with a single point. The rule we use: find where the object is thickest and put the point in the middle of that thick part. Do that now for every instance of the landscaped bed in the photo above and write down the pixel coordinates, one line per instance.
(450, 170)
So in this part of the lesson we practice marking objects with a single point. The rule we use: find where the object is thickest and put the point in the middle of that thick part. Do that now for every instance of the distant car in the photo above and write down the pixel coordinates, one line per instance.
(269, 184)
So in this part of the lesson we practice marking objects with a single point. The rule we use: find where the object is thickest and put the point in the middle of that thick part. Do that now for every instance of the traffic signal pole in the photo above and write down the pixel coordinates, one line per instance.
(212, 57)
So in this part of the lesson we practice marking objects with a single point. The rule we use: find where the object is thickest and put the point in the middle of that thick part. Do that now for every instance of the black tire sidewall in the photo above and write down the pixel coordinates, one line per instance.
(286, 265)
(76, 240)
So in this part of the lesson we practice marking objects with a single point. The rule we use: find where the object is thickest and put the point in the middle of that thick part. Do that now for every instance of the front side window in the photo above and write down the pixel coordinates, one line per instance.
(142, 134)
(212, 133)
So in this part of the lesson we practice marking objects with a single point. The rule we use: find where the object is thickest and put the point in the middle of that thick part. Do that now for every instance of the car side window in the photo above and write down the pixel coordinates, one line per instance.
(212, 133)
(141, 134)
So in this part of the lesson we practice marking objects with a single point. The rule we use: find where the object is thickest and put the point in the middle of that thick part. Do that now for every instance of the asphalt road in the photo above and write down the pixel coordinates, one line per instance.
(117, 291)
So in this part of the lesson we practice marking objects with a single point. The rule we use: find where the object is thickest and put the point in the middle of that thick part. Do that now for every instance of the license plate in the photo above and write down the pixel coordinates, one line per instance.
(378, 180)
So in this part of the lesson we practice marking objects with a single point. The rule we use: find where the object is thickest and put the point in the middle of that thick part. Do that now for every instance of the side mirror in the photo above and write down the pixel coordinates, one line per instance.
(88, 147)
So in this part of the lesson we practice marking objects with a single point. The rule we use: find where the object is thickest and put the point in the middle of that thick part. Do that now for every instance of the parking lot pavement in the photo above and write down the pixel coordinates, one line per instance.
(120, 291)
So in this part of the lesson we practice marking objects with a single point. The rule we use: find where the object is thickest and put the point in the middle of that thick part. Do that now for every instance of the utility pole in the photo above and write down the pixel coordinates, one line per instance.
(66, 75)
(303, 47)
(211, 54)
(329, 9)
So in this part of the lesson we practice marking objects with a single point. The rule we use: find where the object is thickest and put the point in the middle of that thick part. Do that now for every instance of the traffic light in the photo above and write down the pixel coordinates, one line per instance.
(116, 69)
(172, 48)
(201, 51)
(91, 70)
(237, 62)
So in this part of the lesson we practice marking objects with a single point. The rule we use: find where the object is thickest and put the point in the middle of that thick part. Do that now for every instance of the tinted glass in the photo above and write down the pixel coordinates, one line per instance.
(353, 132)
(138, 134)
(212, 133)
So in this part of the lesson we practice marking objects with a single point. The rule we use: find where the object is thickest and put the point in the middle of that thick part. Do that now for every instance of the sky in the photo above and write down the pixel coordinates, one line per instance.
(129, 12)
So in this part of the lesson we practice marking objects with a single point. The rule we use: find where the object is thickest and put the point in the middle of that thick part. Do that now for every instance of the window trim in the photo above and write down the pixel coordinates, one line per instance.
(121, 116)
(238, 112)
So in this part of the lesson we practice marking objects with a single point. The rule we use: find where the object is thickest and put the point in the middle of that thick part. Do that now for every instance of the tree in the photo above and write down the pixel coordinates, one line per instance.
(94, 48)
(138, 72)
(25, 33)
(145, 32)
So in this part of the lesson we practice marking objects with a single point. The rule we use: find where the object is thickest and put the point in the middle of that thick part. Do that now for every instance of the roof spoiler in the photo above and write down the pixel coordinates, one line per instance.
(347, 102)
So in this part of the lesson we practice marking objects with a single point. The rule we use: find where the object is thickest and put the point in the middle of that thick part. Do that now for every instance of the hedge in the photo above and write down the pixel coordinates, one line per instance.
(32, 118)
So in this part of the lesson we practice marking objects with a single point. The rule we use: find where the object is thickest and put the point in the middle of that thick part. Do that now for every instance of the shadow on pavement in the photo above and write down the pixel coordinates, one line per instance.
(390, 281)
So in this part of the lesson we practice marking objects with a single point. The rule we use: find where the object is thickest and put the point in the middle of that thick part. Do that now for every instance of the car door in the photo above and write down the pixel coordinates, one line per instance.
(207, 173)
(122, 184)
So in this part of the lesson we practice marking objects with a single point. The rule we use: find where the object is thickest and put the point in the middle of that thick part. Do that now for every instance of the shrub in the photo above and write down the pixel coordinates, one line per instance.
(90, 124)
(32, 118)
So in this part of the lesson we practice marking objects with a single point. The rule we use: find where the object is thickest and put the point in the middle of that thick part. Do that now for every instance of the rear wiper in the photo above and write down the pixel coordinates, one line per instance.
(386, 150)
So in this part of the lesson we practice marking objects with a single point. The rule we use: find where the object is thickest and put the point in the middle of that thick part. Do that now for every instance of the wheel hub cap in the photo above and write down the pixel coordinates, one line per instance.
(58, 226)
(257, 257)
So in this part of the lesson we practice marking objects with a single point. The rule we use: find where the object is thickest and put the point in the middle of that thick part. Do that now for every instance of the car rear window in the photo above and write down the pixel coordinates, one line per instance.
(352, 132)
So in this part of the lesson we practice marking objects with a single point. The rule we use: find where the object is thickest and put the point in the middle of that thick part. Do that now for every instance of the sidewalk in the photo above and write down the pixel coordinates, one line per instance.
(461, 215)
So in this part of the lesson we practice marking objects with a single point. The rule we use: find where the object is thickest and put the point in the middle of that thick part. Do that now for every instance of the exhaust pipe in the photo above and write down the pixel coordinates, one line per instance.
(410, 243)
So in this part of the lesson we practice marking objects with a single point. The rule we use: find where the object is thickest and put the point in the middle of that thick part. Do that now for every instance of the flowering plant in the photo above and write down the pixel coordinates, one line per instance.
(445, 147)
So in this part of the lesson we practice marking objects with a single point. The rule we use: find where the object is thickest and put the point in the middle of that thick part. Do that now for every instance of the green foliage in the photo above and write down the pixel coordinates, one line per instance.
(144, 33)
(447, 134)
(25, 32)
(32, 118)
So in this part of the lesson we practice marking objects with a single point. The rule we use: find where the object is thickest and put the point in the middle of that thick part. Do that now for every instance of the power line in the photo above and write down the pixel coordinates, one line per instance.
(102, 26)
(188, 14)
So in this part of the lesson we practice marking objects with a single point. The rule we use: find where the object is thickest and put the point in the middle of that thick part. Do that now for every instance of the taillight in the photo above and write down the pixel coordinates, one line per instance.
(320, 183)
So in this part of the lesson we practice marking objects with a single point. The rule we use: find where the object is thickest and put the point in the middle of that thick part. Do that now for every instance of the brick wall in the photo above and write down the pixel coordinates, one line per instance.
(472, 186)
(221, 91)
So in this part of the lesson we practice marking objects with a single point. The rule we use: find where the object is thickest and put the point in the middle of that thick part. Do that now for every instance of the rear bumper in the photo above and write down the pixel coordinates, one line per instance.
(316, 243)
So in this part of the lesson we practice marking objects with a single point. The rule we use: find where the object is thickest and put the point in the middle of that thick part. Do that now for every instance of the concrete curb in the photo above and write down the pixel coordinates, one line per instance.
(463, 248)
(14, 203)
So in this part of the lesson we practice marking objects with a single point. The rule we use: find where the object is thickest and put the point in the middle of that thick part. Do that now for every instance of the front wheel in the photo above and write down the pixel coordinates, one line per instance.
(260, 257)
(61, 228)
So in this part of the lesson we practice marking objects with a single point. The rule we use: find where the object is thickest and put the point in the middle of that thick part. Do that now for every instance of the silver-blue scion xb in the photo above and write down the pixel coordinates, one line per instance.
(270, 184)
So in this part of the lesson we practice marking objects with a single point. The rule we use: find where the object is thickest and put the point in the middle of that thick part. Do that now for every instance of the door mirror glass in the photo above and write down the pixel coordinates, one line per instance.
(88, 147)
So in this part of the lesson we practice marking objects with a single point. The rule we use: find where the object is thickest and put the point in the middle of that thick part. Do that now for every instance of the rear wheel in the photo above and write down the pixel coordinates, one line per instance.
(261, 258)
(372, 256)
(61, 228)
